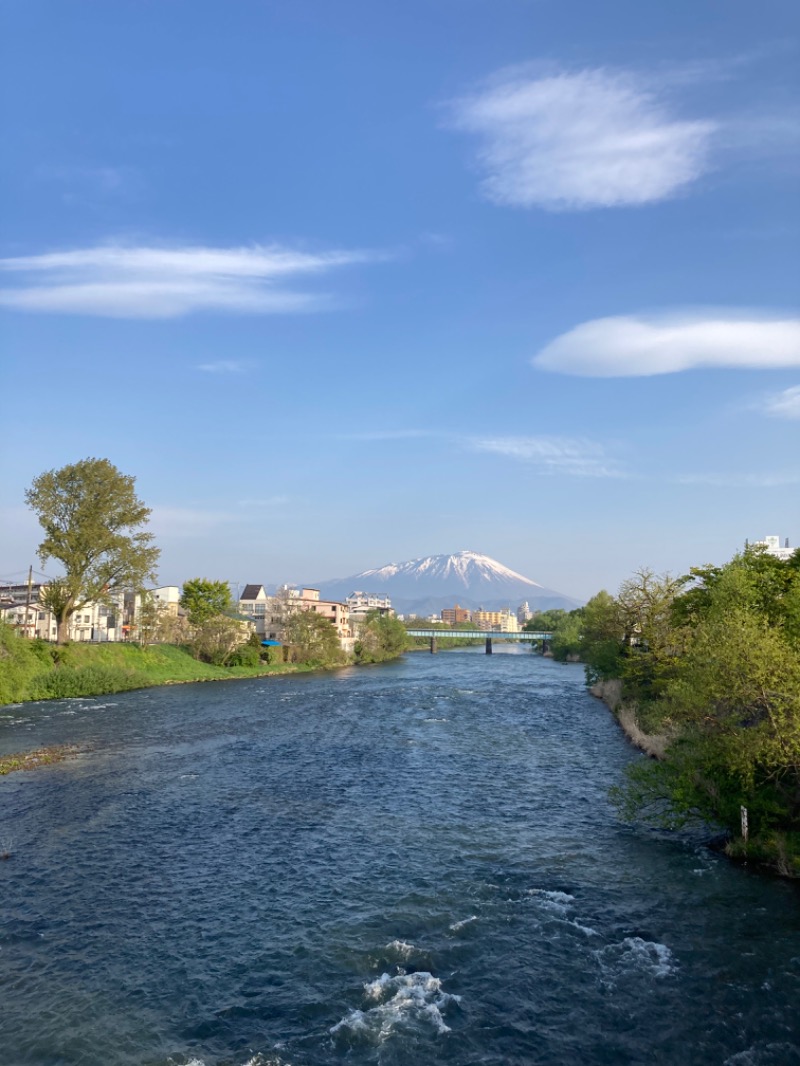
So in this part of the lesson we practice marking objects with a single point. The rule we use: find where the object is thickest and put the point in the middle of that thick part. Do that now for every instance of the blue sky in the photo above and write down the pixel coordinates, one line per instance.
(350, 283)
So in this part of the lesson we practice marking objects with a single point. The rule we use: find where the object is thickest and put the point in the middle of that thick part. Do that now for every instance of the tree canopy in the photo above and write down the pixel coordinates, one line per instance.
(203, 599)
(380, 637)
(713, 662)
(313, 639)
(94, 526)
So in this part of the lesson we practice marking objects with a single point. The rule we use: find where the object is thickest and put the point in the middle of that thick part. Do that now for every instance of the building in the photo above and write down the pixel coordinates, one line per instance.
(524, 613)
(115, 619)
(773, 547)
(455, 615)
(269, 613)
(22, 607)
(496, 621)
(305, 599)
(363, 603)
(168, 598)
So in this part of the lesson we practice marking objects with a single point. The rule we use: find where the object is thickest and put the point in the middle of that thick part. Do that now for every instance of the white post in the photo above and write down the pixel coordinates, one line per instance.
(743, 812)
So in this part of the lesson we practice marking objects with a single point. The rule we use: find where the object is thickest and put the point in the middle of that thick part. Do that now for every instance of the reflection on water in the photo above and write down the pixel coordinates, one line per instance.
(414, 863)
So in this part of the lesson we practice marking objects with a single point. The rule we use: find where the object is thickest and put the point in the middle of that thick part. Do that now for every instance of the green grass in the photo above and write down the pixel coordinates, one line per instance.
(32, 760)
(33, 670)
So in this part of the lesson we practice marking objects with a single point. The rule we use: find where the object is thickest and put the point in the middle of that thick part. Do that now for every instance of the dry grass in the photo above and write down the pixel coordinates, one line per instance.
(610, 692)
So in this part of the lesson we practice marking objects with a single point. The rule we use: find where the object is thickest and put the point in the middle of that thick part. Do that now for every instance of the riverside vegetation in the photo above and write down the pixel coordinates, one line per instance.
(36, 670)
(710, 663)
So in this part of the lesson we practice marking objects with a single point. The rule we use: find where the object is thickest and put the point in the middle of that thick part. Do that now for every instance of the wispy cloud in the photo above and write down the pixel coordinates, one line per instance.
(225, 366)
(104, 180)
(553, 455)
(267, 502)
(771, 480)
(784, 404)
(593, 138)
(181, 522)
(389, 434)
(161, 282)
(628, 346)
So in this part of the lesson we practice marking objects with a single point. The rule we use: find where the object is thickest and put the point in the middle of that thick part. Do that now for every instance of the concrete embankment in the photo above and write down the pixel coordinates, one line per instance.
(610, 692)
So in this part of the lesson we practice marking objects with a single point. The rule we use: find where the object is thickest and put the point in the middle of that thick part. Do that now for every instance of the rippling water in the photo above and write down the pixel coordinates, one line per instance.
(413, 863)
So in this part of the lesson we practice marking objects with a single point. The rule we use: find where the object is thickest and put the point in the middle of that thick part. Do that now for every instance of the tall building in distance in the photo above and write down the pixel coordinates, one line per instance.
(773, 547)
(455, 615)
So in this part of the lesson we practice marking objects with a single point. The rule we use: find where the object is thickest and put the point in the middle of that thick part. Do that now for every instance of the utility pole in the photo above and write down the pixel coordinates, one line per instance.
(28, 600)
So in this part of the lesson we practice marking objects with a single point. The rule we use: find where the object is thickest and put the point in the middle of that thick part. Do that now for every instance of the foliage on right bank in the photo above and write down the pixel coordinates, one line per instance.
(711, 660)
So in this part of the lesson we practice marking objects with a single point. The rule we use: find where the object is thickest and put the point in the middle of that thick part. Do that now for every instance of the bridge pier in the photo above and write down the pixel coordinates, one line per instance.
(488, 645)
(434, 649)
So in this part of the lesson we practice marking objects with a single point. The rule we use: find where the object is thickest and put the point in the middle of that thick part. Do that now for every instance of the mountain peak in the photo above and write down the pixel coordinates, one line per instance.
(465, 568)
(434, 581)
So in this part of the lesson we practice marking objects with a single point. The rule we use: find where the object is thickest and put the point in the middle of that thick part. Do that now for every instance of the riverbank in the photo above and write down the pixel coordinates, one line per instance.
(30, 670)
(775, 852)
(610, 692)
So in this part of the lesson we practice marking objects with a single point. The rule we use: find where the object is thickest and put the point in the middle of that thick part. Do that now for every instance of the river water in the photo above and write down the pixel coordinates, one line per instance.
(414, 863)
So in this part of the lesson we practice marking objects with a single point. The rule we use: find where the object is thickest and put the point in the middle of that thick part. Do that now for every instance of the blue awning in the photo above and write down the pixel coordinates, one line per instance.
(270, 643)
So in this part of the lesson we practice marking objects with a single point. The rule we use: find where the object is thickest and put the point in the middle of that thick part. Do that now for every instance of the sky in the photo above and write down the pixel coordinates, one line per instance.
(344, 284)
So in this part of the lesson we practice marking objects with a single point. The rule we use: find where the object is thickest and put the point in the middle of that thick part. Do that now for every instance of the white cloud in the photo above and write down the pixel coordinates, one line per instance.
(553, 455)
(628, 346)
(152, 282)
(784, 404)
(594, 138)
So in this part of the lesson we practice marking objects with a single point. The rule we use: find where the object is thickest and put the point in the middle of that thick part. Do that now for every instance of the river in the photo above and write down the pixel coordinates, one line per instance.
(415, 863)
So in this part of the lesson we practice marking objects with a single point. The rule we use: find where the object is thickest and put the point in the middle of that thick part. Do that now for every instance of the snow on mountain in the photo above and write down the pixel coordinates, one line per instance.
(467, 569)
(467, 577)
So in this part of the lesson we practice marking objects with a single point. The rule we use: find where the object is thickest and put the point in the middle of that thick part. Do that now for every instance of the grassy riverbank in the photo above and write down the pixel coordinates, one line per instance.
(33, 670)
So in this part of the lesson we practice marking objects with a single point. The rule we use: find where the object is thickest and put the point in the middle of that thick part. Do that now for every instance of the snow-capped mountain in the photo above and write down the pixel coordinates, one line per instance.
(423, 586)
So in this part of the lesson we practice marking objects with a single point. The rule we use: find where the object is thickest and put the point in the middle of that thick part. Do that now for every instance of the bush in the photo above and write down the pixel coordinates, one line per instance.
(95, 680)
(20, 661)
(246, 655)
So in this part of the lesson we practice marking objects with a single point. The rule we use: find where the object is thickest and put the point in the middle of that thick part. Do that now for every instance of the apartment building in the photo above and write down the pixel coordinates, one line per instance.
(496, 621)
(455, 615)
(270, 612)
(363, 603)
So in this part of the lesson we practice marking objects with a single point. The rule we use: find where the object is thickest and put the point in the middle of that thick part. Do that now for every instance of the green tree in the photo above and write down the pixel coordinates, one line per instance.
(567, 637)
(546, 621)
(203, 599)
(149, 619)
(380, 637)
(730, 701)
(601, 646)
(217, 638)
(93, 523)
(651, 642)
(752, 580)
(313, 638)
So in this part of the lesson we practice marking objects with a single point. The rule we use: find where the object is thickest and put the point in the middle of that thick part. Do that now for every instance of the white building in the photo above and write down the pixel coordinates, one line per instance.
(270, 612)
(773, 547)
(114, 620)
(362, 603)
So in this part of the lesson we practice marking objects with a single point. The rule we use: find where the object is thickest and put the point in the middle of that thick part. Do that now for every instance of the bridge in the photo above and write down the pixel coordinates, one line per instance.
(477, 634)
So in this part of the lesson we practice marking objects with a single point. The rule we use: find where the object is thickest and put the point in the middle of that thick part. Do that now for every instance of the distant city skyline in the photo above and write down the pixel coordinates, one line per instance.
(344, 285)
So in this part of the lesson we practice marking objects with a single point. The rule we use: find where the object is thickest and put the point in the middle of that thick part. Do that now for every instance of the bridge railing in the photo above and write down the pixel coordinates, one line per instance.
(477, 634)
